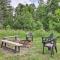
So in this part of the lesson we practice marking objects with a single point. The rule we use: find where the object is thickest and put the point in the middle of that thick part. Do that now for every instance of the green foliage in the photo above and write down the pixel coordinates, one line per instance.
(6, 16)
(24, 18)
(39, 33)
(8, 27)
(23, 21)
(28, 17)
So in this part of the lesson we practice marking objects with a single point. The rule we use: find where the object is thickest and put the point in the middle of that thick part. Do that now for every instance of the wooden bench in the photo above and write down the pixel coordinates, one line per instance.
(17, 45)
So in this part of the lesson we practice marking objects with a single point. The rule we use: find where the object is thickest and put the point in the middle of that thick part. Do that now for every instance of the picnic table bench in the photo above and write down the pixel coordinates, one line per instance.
(17, 45)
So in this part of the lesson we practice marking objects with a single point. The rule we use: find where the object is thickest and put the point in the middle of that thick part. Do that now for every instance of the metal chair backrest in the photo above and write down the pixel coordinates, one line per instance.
(29, 36)
(49, 39)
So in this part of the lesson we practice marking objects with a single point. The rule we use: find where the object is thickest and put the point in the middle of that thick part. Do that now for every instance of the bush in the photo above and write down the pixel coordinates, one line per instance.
(8, 27)
(39, 33)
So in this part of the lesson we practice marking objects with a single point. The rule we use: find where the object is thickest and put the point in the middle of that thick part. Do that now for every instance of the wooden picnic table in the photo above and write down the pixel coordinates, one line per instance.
(17, 45)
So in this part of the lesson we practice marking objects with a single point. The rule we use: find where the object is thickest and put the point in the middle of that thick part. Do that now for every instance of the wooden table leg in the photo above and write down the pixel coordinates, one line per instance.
(2, 45)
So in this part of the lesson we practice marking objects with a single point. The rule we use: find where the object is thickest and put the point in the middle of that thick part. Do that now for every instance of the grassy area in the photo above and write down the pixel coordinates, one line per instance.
(34, 53)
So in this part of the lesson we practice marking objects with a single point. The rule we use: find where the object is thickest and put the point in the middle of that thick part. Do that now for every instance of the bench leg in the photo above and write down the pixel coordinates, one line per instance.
(18, 48)
(15, 48)
(2, 45)
(5, 44)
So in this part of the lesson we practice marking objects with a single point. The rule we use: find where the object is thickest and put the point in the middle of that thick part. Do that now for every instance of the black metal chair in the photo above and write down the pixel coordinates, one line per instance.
(29, 36)
(50, 43)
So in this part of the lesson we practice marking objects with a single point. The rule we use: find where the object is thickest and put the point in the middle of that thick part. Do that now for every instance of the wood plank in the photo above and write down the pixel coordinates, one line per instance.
(13, 43)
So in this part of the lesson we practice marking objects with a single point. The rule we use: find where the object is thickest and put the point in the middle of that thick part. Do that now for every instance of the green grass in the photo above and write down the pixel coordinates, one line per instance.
(35, 53)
